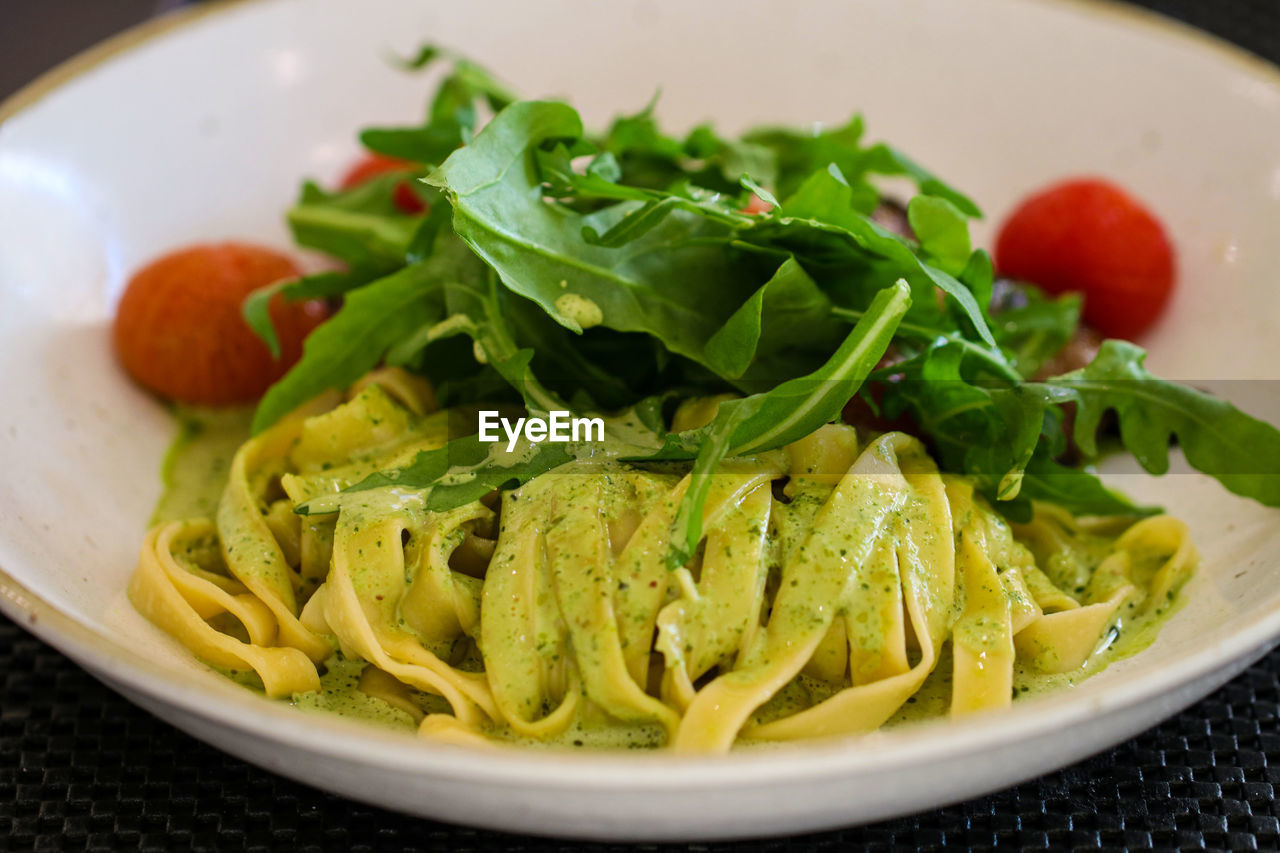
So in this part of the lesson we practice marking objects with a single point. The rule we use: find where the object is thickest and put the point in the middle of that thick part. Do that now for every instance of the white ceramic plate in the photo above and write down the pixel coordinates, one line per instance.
(203, 132)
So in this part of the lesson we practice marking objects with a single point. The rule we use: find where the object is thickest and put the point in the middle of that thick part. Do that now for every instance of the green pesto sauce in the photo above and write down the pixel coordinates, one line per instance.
(243, 677)
(593, 730)
(340, 694)
(1122, 641)
(196, 466)
(933, 699)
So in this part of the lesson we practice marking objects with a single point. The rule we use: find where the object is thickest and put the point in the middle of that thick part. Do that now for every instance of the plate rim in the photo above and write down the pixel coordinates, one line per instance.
(131, 38)
(103, 656)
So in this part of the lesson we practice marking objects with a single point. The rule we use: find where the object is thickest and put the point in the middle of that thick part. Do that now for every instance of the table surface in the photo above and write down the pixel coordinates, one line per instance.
(82, 768)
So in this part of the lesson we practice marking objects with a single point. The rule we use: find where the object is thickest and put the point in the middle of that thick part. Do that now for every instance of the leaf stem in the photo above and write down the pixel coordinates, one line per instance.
(995, 361)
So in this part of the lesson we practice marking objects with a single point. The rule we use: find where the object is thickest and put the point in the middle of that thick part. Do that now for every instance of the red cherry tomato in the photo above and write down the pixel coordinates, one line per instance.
(371, 166)
(179, 331)
(757, 205)
(1091, 237)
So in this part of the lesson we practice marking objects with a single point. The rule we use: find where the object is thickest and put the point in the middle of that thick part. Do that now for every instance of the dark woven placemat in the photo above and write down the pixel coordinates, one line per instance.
(82, 768)
(1251, 24)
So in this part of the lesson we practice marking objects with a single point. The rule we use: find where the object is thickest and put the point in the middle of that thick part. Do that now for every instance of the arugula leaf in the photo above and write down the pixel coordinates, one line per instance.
(256, 311)
(1036, 328)
(475, 305)
(979, 276)
(430, 143)
(256, 306)
(451, 120)
(1241, 452)
(468, 84)
(497, 472)
(715, 445)
(461, 472)
(780, 416)
(424, 56)
(943, 231)
(801, 154)
(674, 283)
(561, 359)
(823, 207)
(634, 224)
(1002, 433)
(799, 406)
(481, 305)
(361, 226)
(476, 81)
(1079, 491)
(759, 191)
(600, 183)
(600, 180)
(884, 159)
(983, 429)
(353, 341)
(323, 285)
(733, 159)
(789, 311)
(520, 346)
(646, 157)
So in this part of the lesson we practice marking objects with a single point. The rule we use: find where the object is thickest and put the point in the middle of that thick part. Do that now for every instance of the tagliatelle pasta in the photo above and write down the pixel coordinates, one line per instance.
(833, 582)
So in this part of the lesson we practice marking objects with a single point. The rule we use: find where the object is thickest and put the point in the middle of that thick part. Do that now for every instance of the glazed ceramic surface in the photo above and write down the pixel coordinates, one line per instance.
(202, 133)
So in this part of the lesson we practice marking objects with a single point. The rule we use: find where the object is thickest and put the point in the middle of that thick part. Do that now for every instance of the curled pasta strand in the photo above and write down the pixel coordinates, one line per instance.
(920, 560)
(576, 540)
(252, 553)
(523, 637)
(388, 647)
(180, 603)
(846, 533)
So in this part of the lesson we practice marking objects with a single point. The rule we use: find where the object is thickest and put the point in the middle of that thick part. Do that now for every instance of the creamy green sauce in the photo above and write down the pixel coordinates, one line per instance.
(581, 310)
(593, 730)
(1125, 639)
(196, 466)
(340, 694)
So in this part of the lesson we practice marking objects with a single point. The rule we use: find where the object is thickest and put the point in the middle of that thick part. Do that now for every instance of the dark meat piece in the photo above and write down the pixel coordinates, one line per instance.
(893, 216)
(1007, 295)
(859, 414)
(1078, 352)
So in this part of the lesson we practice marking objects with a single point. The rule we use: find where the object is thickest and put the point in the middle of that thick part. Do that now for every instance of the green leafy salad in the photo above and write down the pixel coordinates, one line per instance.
(622, 272)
